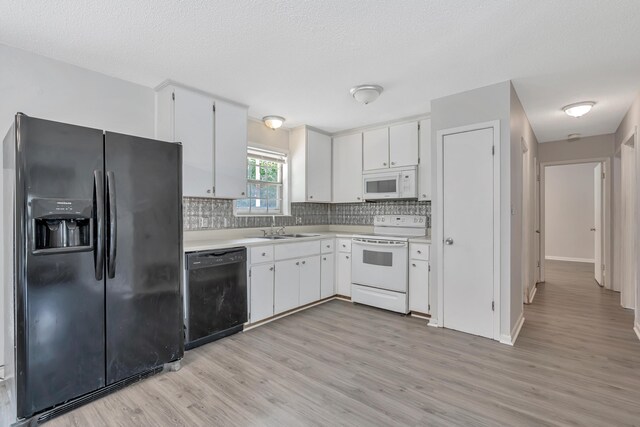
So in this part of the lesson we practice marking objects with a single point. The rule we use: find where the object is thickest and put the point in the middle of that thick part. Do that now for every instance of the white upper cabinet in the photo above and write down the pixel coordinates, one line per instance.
(390, 147)
(213, 134)
(424, 168)
(230, 130)
(403, 145)
(347, 168)
(310, 166)
(375, 149)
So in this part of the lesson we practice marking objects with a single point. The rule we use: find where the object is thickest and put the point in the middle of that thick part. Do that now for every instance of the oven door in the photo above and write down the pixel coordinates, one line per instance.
(381, 186)
(380, 264)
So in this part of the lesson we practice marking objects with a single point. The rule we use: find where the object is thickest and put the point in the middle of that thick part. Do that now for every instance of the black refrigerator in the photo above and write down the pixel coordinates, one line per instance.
(96, 219)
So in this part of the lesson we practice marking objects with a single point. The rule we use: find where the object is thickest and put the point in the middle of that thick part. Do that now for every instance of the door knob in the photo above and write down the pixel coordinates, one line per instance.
(448, 241)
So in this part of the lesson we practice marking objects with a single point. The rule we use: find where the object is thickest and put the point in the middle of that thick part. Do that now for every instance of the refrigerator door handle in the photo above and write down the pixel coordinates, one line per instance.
(113, 225)
(98, 194)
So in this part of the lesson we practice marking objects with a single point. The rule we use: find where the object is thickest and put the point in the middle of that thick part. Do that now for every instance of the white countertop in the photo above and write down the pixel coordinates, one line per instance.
(212, 243)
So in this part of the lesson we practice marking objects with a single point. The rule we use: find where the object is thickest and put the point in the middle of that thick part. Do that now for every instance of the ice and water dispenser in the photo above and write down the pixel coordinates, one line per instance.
(62, 225)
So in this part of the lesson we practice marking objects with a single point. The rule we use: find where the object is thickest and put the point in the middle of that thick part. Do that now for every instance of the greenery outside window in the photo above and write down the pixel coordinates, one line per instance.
(266, 184)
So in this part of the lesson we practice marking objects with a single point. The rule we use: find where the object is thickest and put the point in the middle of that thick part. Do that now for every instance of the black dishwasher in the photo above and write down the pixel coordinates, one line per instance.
(216, 295)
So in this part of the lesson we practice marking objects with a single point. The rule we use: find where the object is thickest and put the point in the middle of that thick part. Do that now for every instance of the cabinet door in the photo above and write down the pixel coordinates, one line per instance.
(327, 275)
(318, 167)
(419, 286)
(347, 168)
(375, 149)
(261, 292)
(193, 127)
(287, 286)
(424, 167)
(230, 150)
(309, 279)
(403, 145)
(344, 274)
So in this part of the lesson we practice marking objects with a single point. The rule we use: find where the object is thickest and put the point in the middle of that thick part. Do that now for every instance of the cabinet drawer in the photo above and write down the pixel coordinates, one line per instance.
(261, 254)
(344, 245)
(327, 245)
(297, 250)
(419, 251)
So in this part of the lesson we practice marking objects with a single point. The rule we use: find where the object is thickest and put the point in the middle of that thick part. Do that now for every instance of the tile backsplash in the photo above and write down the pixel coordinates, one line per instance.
(214, 214)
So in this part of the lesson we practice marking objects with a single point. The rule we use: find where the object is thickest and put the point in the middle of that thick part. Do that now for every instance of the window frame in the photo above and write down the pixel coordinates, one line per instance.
(285, 208)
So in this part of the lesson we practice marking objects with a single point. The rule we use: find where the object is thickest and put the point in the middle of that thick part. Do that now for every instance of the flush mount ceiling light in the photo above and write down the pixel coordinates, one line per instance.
(273, 122)
(578, 109)
(366, 93)
(573, 136)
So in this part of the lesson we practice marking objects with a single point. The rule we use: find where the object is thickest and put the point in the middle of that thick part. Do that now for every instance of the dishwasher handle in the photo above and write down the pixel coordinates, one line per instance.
(208, 259)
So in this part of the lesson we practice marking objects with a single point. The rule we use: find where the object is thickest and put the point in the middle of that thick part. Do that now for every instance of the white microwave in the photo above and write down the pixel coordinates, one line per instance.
(398, 183)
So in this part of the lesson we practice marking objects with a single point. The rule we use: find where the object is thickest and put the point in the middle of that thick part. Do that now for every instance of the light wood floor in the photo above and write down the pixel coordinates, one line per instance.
(577, 362)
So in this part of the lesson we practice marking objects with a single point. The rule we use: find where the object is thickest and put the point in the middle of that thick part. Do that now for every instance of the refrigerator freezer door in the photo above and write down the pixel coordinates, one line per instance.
(59, 301)
(144, 327)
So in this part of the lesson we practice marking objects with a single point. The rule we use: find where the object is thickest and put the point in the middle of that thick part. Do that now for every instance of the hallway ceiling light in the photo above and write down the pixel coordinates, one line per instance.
(273, 122)
(366, 93)
(573, 136)
(578, 109)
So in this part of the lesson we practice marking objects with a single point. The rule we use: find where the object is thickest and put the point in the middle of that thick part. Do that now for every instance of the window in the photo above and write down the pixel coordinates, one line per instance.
(266, 184)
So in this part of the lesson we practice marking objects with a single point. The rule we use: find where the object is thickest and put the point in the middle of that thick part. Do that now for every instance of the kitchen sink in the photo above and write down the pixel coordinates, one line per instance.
(298, 235)
(273, 237)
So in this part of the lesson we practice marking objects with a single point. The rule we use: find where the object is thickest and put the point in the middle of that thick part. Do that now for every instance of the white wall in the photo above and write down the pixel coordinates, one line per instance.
(477, 106)
(569, 212)
(629, 124)
(45, 88)
(259, 133)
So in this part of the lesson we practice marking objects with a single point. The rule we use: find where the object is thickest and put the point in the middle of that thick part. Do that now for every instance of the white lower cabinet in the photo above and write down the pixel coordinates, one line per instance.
(261, 292)
(302, 273)
(344, 274)
(287, 285)
(309, 280)
(327, 275)
(419, 278)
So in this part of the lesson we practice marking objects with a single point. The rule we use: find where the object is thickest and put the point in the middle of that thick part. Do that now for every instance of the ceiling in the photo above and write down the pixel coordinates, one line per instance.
(298, 58)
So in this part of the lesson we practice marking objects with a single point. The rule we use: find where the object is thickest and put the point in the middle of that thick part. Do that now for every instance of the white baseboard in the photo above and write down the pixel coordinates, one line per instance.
(565, 258)
(532, 292)
(511, 339)
(637, 329)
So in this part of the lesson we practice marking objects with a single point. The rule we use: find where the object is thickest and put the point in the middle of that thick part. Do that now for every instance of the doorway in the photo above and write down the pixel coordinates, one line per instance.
(627, 222)
(469, 226)
(575, 215)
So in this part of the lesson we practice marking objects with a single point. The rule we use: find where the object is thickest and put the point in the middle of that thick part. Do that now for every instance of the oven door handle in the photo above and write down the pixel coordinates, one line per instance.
(380, 243)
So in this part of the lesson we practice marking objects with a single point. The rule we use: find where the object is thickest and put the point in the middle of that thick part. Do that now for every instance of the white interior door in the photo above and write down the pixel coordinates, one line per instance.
(629, 258)
(537, 234)
(468, 223)
(597, 206)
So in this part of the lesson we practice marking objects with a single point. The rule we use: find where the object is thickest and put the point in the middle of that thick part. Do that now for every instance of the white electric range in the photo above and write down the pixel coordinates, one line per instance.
(380, 262)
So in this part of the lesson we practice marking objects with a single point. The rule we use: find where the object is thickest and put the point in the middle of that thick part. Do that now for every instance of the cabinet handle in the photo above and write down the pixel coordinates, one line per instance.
(393, 163)
(271, 269)
(419, 252)
(347, 257)
(344, 246)
(413, 265)
(209, 191)
(324, 258)
(384, 164)
(357, 198)
(304, 262)
(328, 246)
(424, 195)
(264, 254)
(242, 194)
(297, 263)
(311, 197)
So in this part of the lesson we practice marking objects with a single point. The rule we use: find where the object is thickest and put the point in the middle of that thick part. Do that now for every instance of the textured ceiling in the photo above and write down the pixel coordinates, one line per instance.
(299, 58)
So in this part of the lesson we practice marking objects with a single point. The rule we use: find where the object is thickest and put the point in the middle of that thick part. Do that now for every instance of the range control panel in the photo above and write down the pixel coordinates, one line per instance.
(408, 221)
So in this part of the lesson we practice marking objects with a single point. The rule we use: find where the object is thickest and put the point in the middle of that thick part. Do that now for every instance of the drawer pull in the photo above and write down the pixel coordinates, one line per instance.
(264, 254)
(419, 252)
(347, 256)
